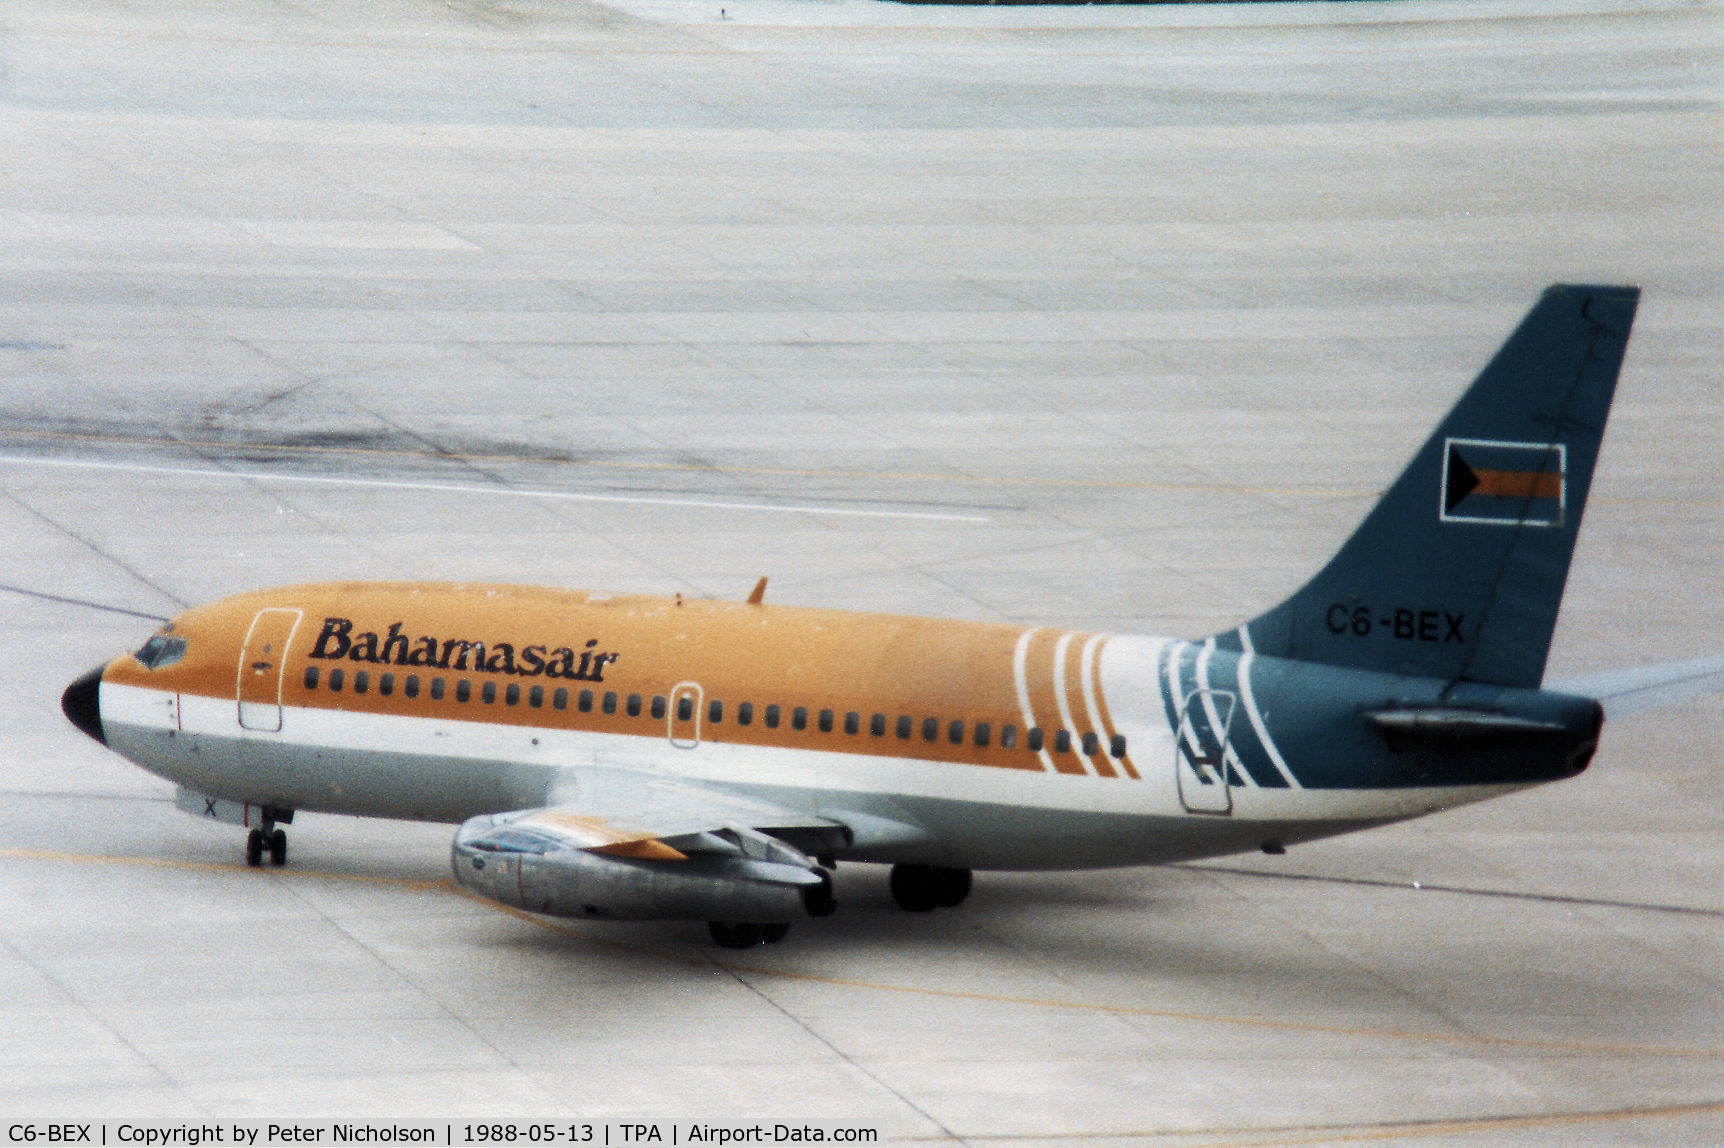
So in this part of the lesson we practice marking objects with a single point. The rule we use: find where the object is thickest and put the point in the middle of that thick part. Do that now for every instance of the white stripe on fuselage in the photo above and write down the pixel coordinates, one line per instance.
(986, 817)
(1231, 766)
(1020, 677)
(1063, 706)
(1086, 679)
(1249, 701)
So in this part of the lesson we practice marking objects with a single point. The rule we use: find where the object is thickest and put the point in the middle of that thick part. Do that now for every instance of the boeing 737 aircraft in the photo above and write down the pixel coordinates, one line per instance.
(639, 757)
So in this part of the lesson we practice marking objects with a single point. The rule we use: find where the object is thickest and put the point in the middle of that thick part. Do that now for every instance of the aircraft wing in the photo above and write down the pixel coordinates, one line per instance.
(632, 813)
(1630, 691)
(627, 844)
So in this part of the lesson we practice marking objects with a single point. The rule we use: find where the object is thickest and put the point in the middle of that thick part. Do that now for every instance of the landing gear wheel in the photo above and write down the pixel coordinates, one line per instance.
(278, 848)
(913, 888)
(818, 899)
(254, 848)
(775, 932)
(737, 934)
(922, 888)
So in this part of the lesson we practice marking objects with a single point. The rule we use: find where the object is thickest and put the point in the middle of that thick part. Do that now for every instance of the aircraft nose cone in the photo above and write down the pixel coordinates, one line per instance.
(81, 705)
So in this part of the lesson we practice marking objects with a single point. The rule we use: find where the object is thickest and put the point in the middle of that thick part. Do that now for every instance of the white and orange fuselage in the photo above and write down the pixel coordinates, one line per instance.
(933, 742)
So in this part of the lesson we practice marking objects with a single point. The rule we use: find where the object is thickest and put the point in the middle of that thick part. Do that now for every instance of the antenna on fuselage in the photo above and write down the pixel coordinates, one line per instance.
(758, 594)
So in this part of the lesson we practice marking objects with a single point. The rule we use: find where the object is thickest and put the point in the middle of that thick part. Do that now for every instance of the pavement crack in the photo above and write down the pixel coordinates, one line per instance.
(112, 559)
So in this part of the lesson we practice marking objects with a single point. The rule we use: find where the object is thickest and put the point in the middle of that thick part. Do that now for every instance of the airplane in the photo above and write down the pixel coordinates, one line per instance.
(635, 757)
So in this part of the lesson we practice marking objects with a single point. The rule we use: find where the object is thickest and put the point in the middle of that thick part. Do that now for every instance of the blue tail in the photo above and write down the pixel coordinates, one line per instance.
(1458, 571)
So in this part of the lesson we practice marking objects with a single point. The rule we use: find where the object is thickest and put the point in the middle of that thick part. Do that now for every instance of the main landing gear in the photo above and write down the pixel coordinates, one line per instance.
(817, 899)
(922, 888)
(268, 838)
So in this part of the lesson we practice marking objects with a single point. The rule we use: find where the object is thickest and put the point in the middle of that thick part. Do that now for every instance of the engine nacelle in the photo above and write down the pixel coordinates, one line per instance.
(539, 873)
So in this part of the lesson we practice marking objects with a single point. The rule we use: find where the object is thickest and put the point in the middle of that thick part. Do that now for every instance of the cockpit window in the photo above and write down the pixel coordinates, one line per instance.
(161, 651)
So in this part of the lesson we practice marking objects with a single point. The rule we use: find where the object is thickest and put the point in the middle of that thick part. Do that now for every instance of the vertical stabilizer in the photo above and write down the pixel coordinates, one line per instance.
(1458, 571)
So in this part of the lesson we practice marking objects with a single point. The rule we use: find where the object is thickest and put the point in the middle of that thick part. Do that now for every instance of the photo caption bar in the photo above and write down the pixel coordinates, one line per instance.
(444, 1133)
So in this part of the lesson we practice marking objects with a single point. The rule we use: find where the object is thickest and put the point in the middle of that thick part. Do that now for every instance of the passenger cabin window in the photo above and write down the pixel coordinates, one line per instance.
(488, 693)
(955, 733)
(931, 729)
(386, 684)
(560, 699)
(772, 717)
(877, 725)
(336, 676)
(1090, 743)
(634, 705)
(1036, 739)
(982, 733)
(411, 686)
(658, 704)
(904, 724)
(825, 721)
(715, 711)
(512, 695)
(436, 688)
(311, 677)
(1009, 737)
(536, 697)
(463, 690)
(361, 681)
(799, 718)
(1116, 745)
(852, 722)
(685, 708)
(1062, 741)
(585, 703)
(610, 701)
(745, 713)
(161, 651)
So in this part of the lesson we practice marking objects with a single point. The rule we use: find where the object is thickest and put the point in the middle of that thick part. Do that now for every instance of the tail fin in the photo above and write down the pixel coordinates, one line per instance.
(1458, 571)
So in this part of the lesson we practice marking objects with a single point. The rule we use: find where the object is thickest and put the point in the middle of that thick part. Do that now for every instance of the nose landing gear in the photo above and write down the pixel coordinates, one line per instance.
(257, 841)
(268, 838)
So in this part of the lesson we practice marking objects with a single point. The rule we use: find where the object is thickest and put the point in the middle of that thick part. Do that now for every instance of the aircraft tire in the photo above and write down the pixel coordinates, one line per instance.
(954, 886)
(278, 848)
(916, 887)
(737, 934)
(818, 899)
(775, 932)
(923, 888)
(254, 848)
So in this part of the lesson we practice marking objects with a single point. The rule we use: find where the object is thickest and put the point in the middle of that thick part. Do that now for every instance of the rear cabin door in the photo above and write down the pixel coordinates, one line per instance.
(260, 664)
(1201, 752)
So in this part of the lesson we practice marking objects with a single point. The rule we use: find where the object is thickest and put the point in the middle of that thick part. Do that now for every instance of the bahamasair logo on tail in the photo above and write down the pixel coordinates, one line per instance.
(1406, 676)
(337, 641)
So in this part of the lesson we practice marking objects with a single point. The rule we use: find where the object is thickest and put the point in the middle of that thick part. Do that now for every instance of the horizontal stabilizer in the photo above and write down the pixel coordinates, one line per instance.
(1639, 688)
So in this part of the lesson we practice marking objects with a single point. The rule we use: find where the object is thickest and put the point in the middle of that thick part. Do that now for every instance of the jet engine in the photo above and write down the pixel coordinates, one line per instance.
(548, 862)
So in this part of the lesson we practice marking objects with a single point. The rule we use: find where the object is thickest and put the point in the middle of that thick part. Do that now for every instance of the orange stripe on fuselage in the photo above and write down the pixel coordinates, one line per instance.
(1041, 676)
(1079, 708)
(1117, 766)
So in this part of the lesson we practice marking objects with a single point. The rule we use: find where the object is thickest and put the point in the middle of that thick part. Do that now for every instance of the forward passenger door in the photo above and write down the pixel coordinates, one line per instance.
(260, 666)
